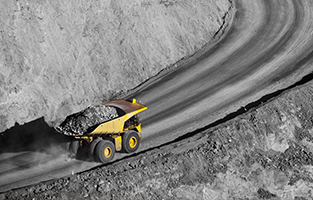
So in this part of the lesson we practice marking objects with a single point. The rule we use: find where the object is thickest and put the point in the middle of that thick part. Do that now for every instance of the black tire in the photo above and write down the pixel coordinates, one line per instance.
(66, 146)
(130, 141)
(104, 151)
(74, 146)
(92, 146)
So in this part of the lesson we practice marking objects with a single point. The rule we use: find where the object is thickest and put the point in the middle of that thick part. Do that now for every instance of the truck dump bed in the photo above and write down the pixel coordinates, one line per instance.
(109, 117)
(126, 106)
(126, 110)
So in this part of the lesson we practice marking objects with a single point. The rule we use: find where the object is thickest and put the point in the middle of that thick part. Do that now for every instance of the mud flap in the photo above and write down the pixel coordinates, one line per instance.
(118, 142)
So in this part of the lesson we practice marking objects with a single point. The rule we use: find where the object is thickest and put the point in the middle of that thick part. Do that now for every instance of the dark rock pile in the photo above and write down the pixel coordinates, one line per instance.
(78, 124)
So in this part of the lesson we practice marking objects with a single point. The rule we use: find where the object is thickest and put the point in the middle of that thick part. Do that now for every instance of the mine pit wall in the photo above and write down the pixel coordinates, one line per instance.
(59, 57)
(266, 153)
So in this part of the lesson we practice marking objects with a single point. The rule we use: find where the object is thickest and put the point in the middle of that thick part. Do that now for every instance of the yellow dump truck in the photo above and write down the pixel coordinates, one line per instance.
(122, 133)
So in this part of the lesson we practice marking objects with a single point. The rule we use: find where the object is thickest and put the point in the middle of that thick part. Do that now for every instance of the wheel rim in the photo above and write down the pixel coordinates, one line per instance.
(107, 152)
(132, 142)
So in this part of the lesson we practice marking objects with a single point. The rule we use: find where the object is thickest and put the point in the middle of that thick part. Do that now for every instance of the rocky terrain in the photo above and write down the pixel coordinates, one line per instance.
(266, 153)
(58, 57)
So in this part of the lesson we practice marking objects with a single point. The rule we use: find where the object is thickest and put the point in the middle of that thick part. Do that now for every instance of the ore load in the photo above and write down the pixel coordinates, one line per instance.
(79, 123)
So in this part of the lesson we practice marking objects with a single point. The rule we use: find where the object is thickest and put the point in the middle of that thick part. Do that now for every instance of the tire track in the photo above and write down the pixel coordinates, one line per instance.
(251, 70)
(268, 47)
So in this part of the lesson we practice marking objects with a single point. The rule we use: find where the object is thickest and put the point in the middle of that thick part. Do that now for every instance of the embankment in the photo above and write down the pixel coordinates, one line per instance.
(59, 57)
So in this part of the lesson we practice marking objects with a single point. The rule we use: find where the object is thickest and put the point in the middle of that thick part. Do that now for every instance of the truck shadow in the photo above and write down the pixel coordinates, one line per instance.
(36, 135)
(27, 140)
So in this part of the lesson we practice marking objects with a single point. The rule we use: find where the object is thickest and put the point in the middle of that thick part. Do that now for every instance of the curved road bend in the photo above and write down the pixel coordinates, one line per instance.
(268, 47)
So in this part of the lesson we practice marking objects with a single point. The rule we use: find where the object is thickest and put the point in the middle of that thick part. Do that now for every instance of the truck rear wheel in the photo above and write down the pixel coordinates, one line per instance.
(92, 146)
(74, 146)
(130, 141)
(104, 151)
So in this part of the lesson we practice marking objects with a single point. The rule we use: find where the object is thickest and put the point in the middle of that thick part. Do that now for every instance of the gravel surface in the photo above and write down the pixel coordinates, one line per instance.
(266, 153)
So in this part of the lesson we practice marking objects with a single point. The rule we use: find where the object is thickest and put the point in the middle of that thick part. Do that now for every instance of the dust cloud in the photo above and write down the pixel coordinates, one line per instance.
(29, 150)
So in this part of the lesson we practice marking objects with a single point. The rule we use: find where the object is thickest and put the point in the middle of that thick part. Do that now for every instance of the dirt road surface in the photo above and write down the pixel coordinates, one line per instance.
(267, 47)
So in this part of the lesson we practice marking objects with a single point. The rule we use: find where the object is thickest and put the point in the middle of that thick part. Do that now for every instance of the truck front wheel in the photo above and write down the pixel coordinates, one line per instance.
(130, 141)
(104, 151)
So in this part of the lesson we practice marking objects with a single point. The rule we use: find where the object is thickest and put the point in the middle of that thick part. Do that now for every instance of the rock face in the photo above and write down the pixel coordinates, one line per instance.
(58, 57)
